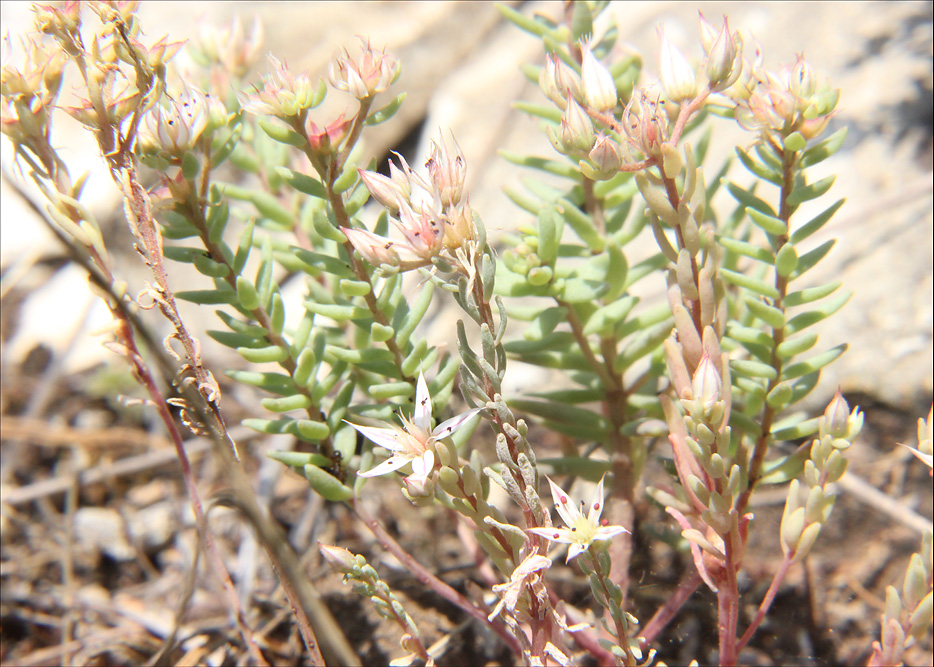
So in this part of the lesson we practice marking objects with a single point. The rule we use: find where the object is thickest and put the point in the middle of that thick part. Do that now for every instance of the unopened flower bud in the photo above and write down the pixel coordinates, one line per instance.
(836, 419)
(708, 32)
(675, 72)
(606, 158)
(364, 76)
(418, 487)
(284, 94)
(724, 59)
(385, 190)
(448, 171)
(926, 433)
(375, 249)
(327, 139)
(576, 133)
(558, 81)
(459, 225)
(597, 83)
(706, 385)
(802, 82)
(338, 557)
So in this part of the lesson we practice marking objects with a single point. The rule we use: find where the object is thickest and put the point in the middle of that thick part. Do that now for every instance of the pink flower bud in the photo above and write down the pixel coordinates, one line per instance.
(326, 140)
(557, 80)
(375, 249)
(383, 189)
(448, 171)
(605, 156)
(597, 83)
(364, 76)
(338, 557)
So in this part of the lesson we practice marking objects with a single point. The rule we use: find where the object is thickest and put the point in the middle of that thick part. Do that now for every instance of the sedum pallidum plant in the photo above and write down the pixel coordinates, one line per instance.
(255, 185)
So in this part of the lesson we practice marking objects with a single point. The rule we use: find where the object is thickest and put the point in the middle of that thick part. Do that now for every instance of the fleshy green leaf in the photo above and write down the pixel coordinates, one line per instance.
(386, 112)
(750, 283)
(815, 223)
(809, 192)
(824, 149)
(804, 320)
(815, 363)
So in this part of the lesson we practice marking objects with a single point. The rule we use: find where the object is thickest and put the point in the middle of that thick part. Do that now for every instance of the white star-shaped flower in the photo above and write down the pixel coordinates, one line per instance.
(581, 531)
(414, 441)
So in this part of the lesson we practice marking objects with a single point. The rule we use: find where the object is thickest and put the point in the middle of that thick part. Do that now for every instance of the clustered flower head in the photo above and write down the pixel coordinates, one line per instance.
(364, 76)
(114, 98)
(645, 123)
(433, 214)
(229, 46)
(413, 442)
(284, 94)
(175, 127)
(791, 100)
(29, 93)
(581, 531)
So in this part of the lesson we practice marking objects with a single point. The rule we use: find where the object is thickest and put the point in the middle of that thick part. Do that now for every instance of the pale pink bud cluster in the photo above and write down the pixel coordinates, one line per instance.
(29, 93)
(112, 100)
(284, 94)
(364, 76)
(63, 21)
(788, 101)
(593, 88)
(432, 214)
(229, 46)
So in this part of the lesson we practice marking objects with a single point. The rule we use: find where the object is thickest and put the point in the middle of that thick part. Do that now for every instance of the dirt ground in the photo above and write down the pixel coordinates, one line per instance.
(105, 590)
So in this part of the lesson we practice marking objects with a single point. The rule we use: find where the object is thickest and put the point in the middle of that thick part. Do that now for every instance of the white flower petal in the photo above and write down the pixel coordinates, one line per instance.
(566, 509)
(575, 550)
(423, 465)
(421, 417)
(389, 465)
(608, 532)
(562, 535)
(384, 437)
(596, 505)
(449, 426)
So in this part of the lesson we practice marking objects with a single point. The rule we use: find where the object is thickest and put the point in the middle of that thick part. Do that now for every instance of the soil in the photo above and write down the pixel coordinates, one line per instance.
(89, 596)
